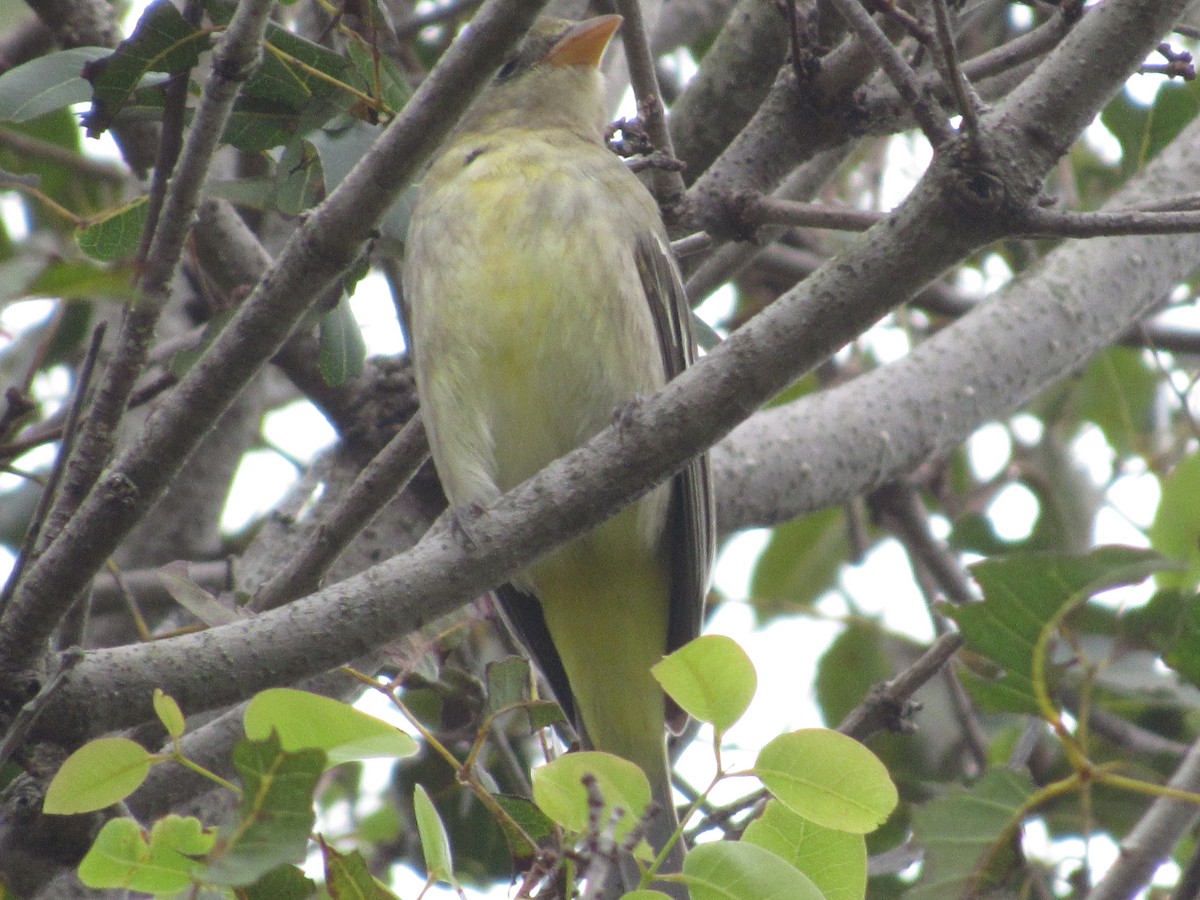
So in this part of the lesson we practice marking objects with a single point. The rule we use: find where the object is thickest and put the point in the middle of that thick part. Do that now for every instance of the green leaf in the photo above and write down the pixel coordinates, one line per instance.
(301, 184)
(800, 563)
(55, 176)
(282, 883)
(970, 836)
(256, 126)
(393, 86)
(1170, 623)
(115, 235)
(121, 857)
(532, 821)
(162, 41)
(275, 817)
(558, 789)
(544, 713)
(347, 877)
(199, 602)
(168, 713)
(435, 843)
(1022, 595)
(98, 774)
(298, 72)
(1117, 391)
(865, 655)
(82, 280)
(835, 861)
(711, 678)
(307, 721)
(340, 149)
(298, 87)
(47, 83)
(342, 348)
(857, 660)
(507, 683)
(1144, 132)
(828, 778)
(1175, 532)
(728, 870)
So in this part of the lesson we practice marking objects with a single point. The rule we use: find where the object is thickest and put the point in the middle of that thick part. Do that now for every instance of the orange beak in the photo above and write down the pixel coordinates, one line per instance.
(584, 43)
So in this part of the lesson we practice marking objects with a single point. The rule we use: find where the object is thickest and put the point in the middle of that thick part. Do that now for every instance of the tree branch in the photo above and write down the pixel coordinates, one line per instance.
(931, 119)
(30, 623)
(944, 218)
(1150, 842)
(1037, 329)
(385, 476)
(1041, 222)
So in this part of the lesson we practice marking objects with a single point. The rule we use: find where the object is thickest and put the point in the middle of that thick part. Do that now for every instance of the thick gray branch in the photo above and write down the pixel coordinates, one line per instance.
(838, 444)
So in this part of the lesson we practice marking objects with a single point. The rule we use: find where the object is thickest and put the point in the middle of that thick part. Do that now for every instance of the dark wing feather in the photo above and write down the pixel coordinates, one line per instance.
(523, 615)
(690, 537)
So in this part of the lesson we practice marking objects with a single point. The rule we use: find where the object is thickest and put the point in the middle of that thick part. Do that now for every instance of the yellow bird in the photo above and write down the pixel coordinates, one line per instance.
(544, 298)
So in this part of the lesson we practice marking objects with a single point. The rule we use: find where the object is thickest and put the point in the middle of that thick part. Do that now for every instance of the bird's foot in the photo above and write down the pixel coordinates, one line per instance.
(625, 414)
(460, 523)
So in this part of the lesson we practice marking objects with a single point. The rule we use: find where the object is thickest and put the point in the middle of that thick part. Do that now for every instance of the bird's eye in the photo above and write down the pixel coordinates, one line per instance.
(507, 69)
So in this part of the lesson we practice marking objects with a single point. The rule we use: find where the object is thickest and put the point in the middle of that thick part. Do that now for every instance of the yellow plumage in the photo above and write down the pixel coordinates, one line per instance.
(544, 299)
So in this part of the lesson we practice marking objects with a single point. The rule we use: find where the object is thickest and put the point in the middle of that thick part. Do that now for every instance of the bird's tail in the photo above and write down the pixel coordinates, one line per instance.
(662, 828)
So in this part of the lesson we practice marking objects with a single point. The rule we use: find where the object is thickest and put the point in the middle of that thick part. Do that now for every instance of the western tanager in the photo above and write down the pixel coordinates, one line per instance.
(544, 298)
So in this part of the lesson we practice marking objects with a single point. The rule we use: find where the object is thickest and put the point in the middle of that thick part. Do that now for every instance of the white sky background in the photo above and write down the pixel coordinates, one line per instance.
(786, 652)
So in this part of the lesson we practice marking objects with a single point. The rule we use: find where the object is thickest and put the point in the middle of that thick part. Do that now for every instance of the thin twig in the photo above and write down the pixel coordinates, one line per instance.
(912, 26)
(670, 188)
(796, 41)
(700, 242)
(385, 476)
(170, 140)
(947, 54)
(235, 59)
(903, 78)
(793, 264)
(975, 737)
(889, 704)
(762, 210)
(1132, 739)
(898, 506)
(60, 156)
(35, 533)
(1040, 222)
(1155, 835)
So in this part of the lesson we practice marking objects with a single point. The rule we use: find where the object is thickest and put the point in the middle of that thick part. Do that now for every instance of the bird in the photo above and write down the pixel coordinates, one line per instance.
(544, 300)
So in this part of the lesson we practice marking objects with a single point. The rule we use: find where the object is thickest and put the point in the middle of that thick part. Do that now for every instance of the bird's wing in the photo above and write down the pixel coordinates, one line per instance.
(690, 537)
(523, 614)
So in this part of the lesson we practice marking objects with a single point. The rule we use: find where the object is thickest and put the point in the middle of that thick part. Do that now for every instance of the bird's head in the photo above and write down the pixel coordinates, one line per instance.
(552, 81)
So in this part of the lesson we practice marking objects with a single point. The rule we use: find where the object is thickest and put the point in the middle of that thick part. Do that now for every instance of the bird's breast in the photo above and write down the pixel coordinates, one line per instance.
(529, 319)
